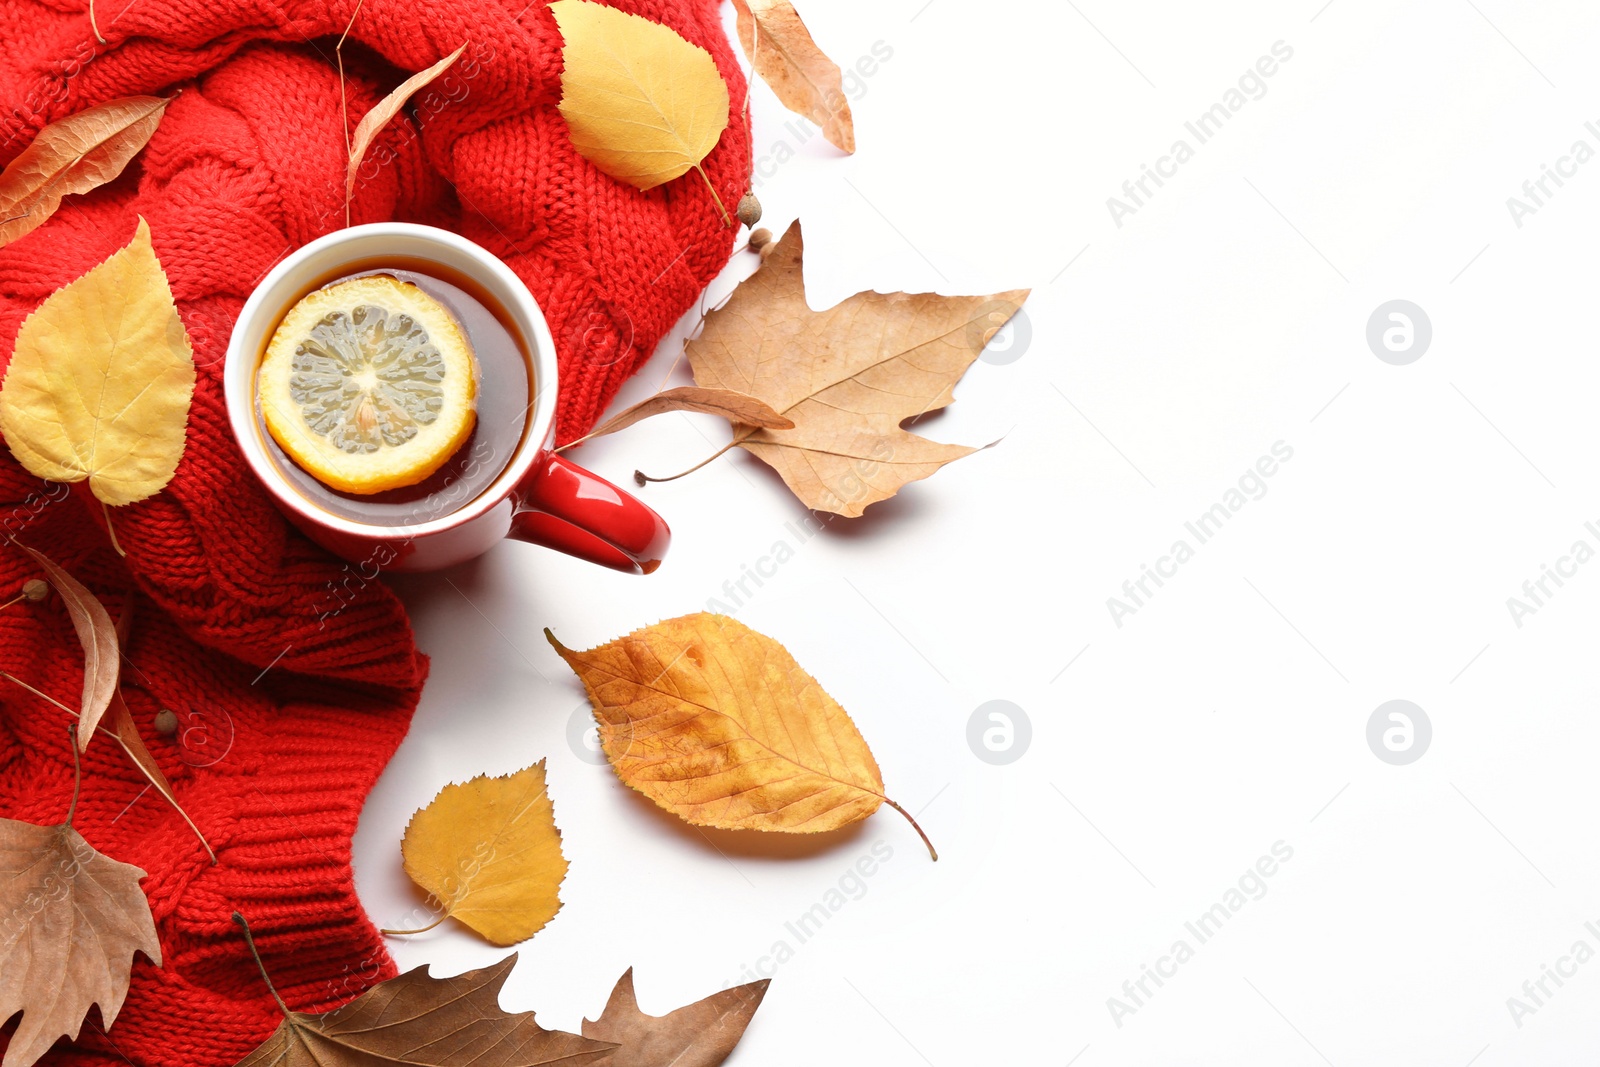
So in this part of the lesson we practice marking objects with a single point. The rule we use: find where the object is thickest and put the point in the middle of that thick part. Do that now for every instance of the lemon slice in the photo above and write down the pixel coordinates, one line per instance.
(369, 384)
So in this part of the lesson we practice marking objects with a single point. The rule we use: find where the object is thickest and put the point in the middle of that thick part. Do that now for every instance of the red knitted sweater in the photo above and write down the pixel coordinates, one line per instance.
(293, 679)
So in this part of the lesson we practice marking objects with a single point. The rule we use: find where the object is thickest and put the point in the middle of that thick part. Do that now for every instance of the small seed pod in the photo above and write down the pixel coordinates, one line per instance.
(35, 589)
(760, 239)
(749, 209)
(166, 722)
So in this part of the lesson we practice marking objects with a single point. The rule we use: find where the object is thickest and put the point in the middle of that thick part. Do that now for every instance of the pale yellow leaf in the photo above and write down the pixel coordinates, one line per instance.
(101, 379)
(373, 122)
(641, 103)
(73, 155)
(808, 83)
(489, 854)
(848, 377)
(719, 725)
(70, 921)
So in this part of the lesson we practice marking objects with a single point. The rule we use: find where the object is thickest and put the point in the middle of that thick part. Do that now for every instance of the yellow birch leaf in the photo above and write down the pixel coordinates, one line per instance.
(100, 382)
(489, 854)
(719, 725)
(641, 103)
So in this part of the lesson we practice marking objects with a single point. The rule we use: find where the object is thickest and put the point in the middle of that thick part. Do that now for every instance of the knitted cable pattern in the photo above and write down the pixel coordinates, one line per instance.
(293, 676)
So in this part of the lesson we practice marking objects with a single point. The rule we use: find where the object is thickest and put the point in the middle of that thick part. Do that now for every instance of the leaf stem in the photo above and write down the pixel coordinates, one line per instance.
(18, 597)
(557, 450)
(46, 696)
(111, 529)
(420, 930)
(726, 220)
(641, 478)
(118, 739)
(249, 940)
(93, 25)
(77, 771)
(931, 850)
(344, 109)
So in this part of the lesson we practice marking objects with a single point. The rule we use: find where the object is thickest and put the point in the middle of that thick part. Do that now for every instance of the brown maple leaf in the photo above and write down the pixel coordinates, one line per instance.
(848, 377)
(699, 1035)
(72, 921)
(422, 1021)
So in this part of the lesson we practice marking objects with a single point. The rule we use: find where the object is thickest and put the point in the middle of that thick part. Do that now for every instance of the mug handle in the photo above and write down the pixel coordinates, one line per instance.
(562, 506)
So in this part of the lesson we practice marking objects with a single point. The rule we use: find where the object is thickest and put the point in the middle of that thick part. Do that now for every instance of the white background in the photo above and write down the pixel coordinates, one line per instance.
(1230, 711)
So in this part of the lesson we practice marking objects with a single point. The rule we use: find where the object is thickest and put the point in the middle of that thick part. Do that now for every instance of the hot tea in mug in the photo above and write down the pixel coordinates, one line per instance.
(352, 379)
(394, 387)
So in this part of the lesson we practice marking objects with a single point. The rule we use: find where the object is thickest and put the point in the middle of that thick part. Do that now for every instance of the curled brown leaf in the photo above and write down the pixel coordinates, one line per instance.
(126, 731)
(373, 122)
(74, 155)
(741, 409)
(96, 633)
(805, 80)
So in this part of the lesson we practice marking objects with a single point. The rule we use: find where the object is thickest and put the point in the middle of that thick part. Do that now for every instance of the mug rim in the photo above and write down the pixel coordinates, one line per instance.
(242, 359)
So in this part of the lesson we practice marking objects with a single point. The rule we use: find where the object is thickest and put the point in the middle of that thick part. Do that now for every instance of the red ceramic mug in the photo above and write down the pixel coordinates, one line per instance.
(537, 496)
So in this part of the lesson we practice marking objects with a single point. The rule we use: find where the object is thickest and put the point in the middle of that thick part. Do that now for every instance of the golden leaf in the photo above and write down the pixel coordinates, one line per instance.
(848, 377)
(807, 82)
(71, 920)
(73, 155)
(489, 853)
(719, 725)
(100, 382)
(384, 111)
(641, 103)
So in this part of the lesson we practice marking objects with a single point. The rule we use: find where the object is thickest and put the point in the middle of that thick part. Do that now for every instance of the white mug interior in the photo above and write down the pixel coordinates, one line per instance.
(323, 258)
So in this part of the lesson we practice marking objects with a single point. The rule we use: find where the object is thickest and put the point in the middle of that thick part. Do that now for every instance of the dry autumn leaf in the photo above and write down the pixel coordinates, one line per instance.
(641, 103)
(719, 725)
(101, 378)
(122, 726)
(126, 731)
(73, 920)
(489, 854)
(384, 111)
(102, 662)
(73, 155)
(702, 1034)
(848, 377)
(422, 1021)
(808, 83)
(738, 408)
